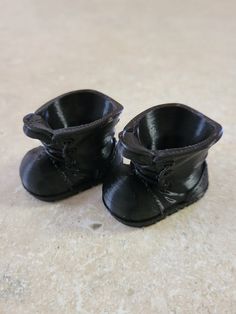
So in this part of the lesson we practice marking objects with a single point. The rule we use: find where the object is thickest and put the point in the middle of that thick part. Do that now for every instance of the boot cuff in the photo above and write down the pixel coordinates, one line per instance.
(167, 130)
(76, 111)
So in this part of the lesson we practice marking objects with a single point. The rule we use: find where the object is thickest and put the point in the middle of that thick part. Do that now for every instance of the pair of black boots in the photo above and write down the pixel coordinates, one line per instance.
(167, 146)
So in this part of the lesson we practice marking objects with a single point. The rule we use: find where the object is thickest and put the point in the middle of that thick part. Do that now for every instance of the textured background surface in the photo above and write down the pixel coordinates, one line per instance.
(72, 256)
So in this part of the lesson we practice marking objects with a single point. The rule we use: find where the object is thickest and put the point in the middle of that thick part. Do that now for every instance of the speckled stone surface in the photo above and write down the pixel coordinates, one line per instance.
(72, 256)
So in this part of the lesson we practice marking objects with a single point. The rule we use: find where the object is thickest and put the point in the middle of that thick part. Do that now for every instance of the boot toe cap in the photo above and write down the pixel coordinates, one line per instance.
(130, 199)
(39, 175)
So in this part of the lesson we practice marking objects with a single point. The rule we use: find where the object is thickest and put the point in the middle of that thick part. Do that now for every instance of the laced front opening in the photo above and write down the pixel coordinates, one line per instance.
(59, 150)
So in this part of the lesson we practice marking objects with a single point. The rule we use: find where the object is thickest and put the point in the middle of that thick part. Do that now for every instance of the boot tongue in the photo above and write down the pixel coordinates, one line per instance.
(36, 127)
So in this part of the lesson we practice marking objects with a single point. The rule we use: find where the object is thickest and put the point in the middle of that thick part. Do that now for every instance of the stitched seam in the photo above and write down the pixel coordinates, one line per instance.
(62, 174)
(156, 199)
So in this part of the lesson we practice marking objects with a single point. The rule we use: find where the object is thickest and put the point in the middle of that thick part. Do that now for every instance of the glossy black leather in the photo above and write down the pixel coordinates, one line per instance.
(167, 146)
(77, 132)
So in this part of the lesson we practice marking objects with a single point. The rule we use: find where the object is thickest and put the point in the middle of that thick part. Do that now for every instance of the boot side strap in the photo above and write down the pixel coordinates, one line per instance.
(199, 189)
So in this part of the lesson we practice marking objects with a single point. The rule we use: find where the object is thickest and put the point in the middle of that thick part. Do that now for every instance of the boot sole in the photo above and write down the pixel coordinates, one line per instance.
(61, 196)
(153, 220)
(196, 194)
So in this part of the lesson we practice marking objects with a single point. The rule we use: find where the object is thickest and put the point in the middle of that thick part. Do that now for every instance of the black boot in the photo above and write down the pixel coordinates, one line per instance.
(77, 131)
(167, 146)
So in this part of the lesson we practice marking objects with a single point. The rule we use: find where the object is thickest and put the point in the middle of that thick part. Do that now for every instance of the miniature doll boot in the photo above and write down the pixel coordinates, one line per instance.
(77, 133)
(167, 146)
